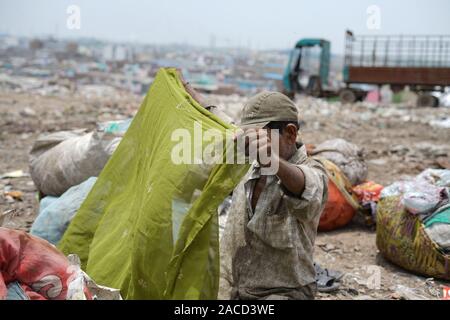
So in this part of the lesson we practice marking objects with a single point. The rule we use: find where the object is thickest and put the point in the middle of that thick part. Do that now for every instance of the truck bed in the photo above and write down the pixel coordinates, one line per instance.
(427, 76)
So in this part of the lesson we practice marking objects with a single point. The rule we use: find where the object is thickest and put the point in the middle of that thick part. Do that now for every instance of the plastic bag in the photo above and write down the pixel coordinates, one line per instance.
(82, 287)
(347, 156)
(61, 160)
(437, 177)
(422, 200)
(56, 213)
(149, 226)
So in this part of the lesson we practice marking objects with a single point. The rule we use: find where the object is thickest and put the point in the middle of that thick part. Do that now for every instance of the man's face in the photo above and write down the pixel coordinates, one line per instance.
(286, 140)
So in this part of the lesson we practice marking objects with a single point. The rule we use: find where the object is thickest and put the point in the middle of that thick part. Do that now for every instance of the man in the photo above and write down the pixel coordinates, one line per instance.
(267, 246)
(266, 251)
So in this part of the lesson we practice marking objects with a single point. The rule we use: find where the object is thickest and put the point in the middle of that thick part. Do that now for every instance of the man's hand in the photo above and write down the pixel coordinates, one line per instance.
(194, 94)
(258, 146)
(267, 155)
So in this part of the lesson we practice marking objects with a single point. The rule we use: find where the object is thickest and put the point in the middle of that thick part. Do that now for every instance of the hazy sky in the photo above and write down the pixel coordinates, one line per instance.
(258, 24)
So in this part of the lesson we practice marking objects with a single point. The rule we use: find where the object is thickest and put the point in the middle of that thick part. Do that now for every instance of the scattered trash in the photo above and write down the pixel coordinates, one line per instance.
(445, 123)
(118, 127)
(4, 215)
(443, 163)
(378, 162)
(327, 247)
(368, 194)
(14, 174)
(327, 280)
(82, 287)
(405, 293)
(368, 191)
(16, 195)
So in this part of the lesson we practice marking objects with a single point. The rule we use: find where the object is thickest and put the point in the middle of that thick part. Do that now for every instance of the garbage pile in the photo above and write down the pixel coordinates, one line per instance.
(362, 112)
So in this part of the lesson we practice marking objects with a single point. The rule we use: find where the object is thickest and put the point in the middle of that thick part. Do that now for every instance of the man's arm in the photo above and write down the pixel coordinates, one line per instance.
(291, 177)
(194, 94)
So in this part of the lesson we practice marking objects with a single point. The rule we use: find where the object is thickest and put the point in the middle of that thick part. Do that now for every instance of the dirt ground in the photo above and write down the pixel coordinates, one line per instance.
(398, 141)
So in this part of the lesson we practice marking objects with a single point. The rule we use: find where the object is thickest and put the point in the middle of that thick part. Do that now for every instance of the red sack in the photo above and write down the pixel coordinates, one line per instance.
(38, 266)
(368, 191)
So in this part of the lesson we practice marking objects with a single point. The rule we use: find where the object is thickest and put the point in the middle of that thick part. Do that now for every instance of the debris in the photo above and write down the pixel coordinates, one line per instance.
(28, 112)
(405, 293)
(445, 123)
(17, 195)
(327, 247)
(14, 174)
(4, 215)
(444, 163)
(327, 280)
(399, 149)
(378, 162)
(368, 191)
(432, 150)
(82, 287)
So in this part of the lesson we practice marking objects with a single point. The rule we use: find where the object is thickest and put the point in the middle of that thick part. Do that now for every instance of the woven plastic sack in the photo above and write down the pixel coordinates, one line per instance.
(347, 156)
(61, 160)
(341, 204)
(149, 226)
(402, 239)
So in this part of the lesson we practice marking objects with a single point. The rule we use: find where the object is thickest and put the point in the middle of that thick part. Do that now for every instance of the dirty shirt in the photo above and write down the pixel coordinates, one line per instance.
(268, 253)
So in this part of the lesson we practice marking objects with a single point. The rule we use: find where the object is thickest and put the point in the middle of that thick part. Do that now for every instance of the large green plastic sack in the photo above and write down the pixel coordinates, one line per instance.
(149, 226)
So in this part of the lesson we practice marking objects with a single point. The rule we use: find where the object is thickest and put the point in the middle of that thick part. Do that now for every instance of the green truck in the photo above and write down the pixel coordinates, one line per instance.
(421, 62)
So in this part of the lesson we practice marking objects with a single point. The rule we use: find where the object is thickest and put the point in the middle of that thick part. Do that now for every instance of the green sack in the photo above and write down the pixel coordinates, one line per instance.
(150, 226)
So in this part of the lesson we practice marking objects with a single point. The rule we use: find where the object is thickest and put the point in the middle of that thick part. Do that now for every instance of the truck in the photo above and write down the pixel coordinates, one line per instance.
(420, 62)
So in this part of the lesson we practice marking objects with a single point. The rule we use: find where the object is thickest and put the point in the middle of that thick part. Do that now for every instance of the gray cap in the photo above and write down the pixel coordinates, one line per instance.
(266, 107)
